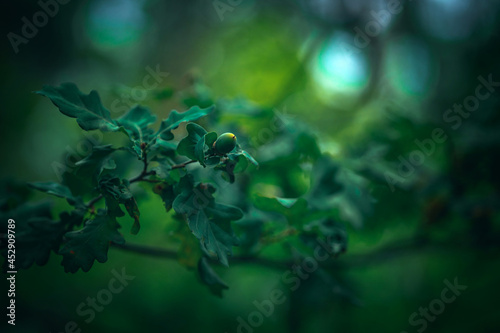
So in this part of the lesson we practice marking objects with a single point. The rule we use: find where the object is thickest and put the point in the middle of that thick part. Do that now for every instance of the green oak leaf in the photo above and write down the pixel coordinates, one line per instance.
(88, 110)
(58, 190)
(209, 221)
(197, 94)
(207, 141)
(162, 148)
(42, 236)
(87, 172)
(136, 122)
(116, 192)
(91, 243)
(194, 145)
(209, 277)
(186, 146)
(175, 119)
(136, 125)
(167, 189)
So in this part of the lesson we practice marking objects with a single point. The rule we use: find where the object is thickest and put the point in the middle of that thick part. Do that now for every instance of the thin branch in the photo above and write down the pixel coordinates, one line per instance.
(171, 254)
(93, 201)
(182, 165)
(141, 177)
(147, 250)
(389, 252)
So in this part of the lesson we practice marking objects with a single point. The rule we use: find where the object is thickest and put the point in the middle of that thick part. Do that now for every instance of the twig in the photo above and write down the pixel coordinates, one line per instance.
(148, 250)
(182, 165)
(93, 201)
(141, 177)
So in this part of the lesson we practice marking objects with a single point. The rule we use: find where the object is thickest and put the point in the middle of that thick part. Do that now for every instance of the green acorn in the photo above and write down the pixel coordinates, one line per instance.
(225, 143)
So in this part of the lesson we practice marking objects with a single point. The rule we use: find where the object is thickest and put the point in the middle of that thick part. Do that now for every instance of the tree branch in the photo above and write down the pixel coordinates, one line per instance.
(147, 250)
(389, 252)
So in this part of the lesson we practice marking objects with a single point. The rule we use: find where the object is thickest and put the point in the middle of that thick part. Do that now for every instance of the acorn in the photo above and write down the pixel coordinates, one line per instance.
(225, 143)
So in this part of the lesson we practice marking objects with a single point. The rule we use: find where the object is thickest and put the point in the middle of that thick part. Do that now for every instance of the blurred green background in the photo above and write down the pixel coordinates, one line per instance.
(365, 81)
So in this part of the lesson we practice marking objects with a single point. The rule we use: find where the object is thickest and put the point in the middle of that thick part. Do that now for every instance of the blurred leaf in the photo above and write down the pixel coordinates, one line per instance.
(58, 190)
(197, 94)
(294, 209)
(241, 107)
(163, 94)
(209, 277)
(250, 231)
(189, 252)
(324, 182)
(13, 194)
(328, 233)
